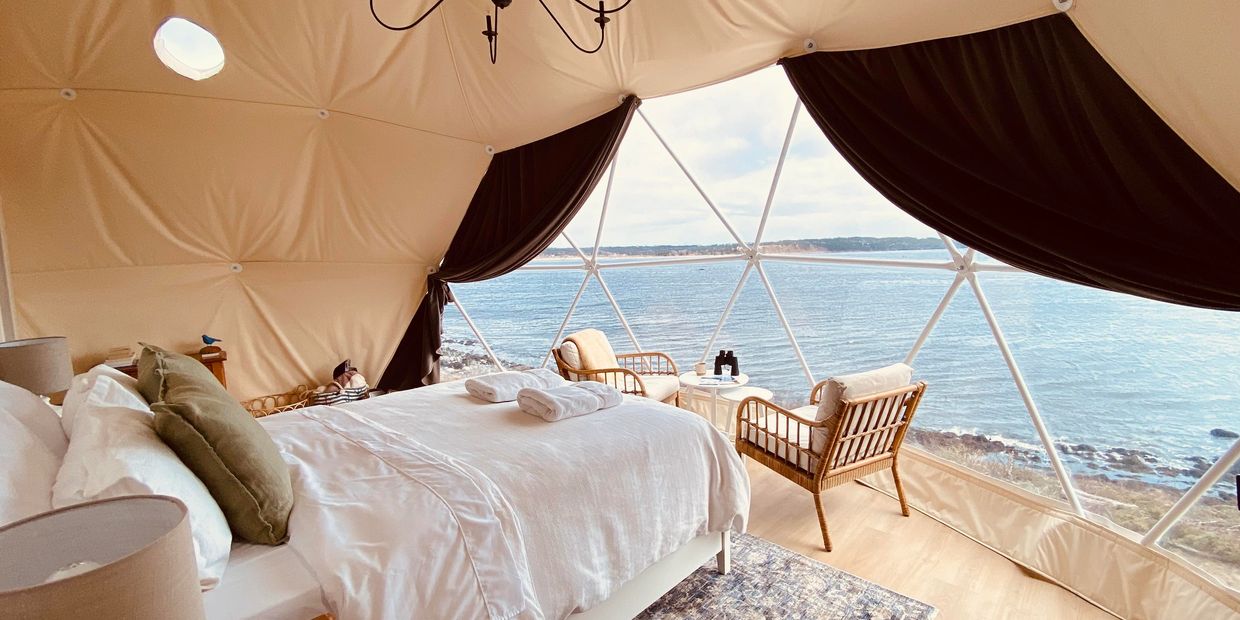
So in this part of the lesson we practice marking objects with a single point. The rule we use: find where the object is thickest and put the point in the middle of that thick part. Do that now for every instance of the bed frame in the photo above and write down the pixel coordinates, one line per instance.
(652, 583)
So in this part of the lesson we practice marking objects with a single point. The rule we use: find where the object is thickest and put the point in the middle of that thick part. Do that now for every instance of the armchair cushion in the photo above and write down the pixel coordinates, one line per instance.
(660, 387)
(593, 349)
(768, 432)
(569, 353)
(848, 387)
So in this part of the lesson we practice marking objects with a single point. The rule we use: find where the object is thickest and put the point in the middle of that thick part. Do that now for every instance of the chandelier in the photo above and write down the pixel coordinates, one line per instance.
(492, 31)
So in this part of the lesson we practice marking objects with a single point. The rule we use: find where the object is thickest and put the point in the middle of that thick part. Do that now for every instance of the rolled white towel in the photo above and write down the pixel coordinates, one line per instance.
(502, 387)
(568, 401)
(609, 395)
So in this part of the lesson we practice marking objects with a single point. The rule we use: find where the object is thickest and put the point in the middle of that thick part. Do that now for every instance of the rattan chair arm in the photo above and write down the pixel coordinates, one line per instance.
(815, 393)
(656, 355)
(560, 364)
(780, 443)
(618, 378)
(771, 407)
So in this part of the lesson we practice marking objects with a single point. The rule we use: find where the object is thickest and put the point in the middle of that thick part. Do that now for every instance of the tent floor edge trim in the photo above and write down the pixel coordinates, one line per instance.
(1107, 567)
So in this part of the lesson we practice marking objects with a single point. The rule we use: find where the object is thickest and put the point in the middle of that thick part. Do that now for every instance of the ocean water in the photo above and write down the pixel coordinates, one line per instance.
(1107, 370)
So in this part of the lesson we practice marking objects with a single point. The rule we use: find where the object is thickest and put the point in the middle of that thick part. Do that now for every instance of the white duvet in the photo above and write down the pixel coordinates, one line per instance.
(432, 504)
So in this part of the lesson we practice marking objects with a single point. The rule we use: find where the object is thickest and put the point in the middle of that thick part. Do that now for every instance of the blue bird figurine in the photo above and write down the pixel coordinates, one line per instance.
(210, 351)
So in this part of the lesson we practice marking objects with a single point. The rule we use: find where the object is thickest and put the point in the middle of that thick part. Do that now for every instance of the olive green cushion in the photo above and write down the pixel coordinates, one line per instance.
(220, 442)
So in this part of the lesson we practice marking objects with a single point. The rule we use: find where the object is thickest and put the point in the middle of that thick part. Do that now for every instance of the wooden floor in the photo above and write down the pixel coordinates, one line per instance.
(916, 555)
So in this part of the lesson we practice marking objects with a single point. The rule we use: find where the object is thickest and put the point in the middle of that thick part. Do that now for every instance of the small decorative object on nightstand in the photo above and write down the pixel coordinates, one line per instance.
(210, 350)
(125, 557)
(119, 356)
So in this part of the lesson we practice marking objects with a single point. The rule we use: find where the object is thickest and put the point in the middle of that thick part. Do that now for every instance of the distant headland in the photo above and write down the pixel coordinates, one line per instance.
(790, 246)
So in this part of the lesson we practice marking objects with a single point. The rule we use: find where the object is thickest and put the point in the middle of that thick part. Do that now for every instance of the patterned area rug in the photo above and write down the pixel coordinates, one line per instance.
(768, 581)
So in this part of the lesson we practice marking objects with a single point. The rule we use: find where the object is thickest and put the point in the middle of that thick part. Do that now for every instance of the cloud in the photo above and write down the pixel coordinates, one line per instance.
(729, 135)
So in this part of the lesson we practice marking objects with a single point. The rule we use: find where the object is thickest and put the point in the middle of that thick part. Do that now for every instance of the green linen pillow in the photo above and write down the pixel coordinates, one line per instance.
(222, 444)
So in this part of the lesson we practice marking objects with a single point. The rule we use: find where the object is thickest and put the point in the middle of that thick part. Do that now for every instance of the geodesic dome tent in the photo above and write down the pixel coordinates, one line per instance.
(294, 201)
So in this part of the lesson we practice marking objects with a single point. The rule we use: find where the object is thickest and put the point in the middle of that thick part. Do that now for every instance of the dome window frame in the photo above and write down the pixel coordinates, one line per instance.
(180, 32)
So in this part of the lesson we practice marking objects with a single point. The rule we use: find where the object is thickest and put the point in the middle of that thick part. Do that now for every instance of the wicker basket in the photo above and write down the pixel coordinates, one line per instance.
(277, 403)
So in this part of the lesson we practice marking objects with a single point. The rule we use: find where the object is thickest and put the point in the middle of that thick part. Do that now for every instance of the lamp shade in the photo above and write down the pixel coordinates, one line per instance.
(41, 365)
(125, 557)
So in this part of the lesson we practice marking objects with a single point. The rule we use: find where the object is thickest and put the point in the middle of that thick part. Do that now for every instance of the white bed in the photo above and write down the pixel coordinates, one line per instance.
(265, 582)
(429, 503)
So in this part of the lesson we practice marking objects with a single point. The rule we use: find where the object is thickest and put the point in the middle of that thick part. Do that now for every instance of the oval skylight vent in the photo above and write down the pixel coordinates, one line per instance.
(188, 49)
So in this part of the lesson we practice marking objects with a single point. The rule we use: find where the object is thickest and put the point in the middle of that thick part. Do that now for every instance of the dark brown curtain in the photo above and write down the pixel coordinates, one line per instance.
(527, 197)
(1022, 142)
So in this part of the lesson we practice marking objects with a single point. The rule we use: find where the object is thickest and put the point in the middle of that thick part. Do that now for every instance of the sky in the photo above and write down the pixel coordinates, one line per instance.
(729, 135)
(191, 43)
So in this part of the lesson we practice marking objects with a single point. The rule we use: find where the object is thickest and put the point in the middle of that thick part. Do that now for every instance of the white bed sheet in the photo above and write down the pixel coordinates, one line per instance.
(429, 503)
(265, 582)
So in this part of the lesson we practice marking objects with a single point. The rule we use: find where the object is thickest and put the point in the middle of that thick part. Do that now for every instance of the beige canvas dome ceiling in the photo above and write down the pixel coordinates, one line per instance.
(292, 203)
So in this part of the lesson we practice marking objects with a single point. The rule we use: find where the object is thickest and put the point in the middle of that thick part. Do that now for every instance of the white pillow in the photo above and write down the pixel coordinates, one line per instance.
(27, 472)
(116, 452)
(31, 450)
(36, 415)
(122, 390)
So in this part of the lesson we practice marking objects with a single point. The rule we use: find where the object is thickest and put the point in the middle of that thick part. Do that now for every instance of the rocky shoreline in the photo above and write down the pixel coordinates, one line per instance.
(1138, 466)
(465, 357)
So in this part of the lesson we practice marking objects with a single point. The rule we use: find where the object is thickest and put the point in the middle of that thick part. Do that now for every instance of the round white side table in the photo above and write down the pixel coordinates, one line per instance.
(693, 382)
(732, 399)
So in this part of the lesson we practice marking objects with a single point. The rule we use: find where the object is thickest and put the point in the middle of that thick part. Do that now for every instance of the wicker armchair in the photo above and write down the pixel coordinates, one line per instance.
(650, 374)
(818, 455)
